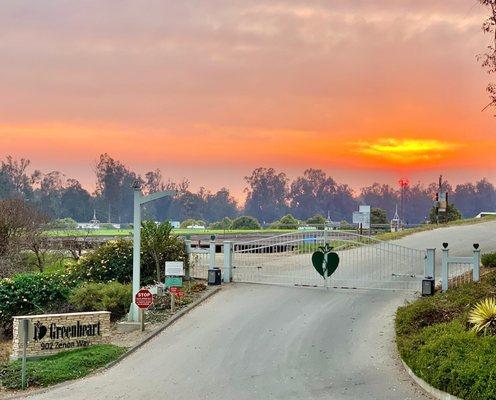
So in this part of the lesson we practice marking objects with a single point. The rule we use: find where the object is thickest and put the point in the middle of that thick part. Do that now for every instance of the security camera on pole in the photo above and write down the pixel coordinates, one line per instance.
(139, 200)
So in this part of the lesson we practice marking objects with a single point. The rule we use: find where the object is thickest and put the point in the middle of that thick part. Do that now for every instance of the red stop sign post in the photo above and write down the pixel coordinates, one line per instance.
(143, 300)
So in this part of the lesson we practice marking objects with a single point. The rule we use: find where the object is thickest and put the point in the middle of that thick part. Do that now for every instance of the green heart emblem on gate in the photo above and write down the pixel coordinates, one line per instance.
(325, 261)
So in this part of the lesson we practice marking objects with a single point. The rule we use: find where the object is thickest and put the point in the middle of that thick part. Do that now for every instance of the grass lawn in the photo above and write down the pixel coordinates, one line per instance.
(435, 340)
(128, 232)
(60, 367)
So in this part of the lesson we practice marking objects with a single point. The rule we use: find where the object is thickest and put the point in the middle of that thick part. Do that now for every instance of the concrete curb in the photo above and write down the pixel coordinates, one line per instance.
(436, 393)
(162, 328)
(182, 313)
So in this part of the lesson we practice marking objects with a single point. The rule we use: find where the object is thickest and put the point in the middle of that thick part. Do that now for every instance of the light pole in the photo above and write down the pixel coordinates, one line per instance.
(139, 200)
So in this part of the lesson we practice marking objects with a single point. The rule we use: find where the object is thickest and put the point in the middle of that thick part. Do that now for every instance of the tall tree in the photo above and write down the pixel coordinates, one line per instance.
(76, 202)
(114, 189)
(220, 205)
(14, 180)
(267, 194)
(488, 59)
(381, 196)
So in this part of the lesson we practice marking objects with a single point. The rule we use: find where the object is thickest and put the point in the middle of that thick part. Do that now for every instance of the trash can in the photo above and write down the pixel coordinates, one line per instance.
(214, 276)
(428, 286)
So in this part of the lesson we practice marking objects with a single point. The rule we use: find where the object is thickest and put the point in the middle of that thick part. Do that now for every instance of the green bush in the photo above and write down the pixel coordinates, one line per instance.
(158, 245)
(33, 293)
(113, 261)
(286, 222)
(489, 260)
(63, 223)
(434, 338)
(61, 367)
(317, 219)
(91, 296)
(245, 222)
(225, 224)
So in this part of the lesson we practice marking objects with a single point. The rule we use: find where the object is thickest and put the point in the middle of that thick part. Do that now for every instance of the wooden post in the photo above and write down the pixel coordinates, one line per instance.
(25, 329)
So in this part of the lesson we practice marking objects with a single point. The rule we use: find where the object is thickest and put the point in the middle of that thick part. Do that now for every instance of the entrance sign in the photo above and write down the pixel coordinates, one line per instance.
(174, 268)
(362, 216)
(53, 333)
(143, 299)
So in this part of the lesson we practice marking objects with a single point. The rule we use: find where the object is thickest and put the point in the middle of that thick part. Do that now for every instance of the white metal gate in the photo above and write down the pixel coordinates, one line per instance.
(365, 262)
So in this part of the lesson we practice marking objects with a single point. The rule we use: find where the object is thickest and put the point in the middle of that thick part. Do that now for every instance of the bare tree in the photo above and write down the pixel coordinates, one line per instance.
(488, 59)
(21, 228)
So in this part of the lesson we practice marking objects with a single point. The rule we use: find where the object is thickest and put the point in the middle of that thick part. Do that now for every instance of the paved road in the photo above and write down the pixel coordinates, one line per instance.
(273, 342)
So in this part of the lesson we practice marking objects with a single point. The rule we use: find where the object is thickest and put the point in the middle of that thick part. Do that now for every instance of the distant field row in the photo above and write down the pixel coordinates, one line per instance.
(128, 232)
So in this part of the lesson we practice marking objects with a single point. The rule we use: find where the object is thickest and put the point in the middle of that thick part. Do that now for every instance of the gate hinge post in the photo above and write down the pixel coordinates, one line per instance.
(227, 270)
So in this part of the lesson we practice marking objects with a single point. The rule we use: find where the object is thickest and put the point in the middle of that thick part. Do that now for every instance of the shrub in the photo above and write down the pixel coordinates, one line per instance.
(197, 287)
(287, 222)
(63, 223)
(159, 245)
(483, 316)
(91, 296)
(378, 216)
(245, 222)
(317, 219)
(113, 261)
(489, 260)
(226, 224)
(33, 293)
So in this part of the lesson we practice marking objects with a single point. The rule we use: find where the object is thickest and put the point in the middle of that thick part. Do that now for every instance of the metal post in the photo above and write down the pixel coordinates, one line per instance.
(187, 245)
(134, 311)
(142, 319)
(430, 263)
(227, 270)
(326, 278)
(444, 270)
(25, 329)
(172, 302)
(212, 254)
(476, 266)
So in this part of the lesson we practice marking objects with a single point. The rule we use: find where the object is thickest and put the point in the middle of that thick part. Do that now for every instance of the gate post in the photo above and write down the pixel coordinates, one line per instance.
(212, 254)
(227, 270)
(444, 270)
(187, 246)
(476, 266)
(430, 264)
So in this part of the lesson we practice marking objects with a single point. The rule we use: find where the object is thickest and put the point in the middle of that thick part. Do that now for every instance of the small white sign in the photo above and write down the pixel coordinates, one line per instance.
(362, 218)
(364, 209)
(174, 268)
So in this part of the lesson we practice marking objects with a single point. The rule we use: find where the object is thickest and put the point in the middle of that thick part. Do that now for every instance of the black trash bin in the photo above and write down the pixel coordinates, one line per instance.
(214, 276)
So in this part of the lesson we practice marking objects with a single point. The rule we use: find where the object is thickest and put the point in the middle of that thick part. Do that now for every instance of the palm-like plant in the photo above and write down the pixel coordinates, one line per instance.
(483, 316)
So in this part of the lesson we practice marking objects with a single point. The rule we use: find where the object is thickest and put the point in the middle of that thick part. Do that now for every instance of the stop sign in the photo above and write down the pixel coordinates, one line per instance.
(143, 299)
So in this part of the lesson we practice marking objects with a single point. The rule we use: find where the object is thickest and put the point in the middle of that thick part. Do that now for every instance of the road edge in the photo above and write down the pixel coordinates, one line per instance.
(436, 393)
(131, 350)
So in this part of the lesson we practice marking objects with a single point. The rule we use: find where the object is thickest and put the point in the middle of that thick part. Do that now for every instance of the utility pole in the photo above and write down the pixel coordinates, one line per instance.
(403, 182)
(139, 200)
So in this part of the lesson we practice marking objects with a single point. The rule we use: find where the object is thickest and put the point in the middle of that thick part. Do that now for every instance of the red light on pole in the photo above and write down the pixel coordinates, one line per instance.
(404, 182)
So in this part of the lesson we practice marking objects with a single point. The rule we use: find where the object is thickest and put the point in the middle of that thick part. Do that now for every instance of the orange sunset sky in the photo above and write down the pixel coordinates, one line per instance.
(208, 90)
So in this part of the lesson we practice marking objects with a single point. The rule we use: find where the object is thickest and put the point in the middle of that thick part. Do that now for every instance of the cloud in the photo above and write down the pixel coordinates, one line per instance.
(407, 151)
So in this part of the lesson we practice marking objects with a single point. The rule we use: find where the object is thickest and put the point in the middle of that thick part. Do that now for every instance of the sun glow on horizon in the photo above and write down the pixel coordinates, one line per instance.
(407, 151)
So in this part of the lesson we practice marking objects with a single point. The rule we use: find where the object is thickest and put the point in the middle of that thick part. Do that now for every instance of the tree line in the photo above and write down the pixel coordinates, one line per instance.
(270, 194)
